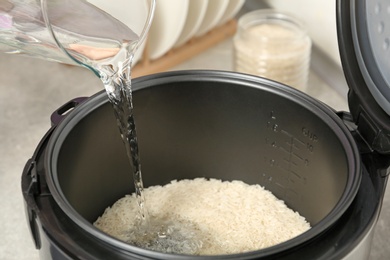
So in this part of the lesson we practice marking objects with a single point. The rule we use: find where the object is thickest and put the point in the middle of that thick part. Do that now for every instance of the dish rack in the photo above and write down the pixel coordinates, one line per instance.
(188, 50)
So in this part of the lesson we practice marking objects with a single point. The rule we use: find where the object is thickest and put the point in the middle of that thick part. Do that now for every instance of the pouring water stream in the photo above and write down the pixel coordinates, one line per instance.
(108, 51)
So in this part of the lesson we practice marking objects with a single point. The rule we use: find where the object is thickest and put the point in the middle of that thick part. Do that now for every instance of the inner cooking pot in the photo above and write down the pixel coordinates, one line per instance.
(208, 124)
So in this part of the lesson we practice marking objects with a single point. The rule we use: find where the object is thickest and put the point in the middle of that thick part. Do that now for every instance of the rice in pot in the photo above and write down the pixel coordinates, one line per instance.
(221, 217)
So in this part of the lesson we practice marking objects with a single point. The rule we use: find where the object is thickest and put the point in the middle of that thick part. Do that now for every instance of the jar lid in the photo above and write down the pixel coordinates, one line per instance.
(363, 28)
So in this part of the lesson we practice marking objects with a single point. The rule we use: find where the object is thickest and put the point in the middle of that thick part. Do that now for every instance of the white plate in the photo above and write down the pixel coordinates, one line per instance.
(215, 10)
(132, 13)
(196, 11)
(233, 8)
(169, 19)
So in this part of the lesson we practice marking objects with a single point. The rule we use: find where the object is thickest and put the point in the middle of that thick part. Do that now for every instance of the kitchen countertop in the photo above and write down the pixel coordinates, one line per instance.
(31, 89)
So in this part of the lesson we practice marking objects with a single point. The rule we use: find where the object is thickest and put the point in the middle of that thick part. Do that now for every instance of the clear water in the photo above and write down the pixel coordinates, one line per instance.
(168, 236)
(116, 77)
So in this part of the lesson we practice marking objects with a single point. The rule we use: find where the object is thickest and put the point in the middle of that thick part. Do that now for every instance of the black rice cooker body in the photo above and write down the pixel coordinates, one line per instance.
(331, 167)
(205, 124)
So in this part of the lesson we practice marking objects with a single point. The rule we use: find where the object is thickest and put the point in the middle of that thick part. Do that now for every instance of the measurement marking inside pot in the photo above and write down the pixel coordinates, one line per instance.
(296, 174)
(293, 159)
(294, 143)
(289, 161)
(294, 138)
(299, 157)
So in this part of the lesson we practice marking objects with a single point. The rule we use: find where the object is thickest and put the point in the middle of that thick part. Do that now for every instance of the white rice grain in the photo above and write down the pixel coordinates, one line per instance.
(230, 217)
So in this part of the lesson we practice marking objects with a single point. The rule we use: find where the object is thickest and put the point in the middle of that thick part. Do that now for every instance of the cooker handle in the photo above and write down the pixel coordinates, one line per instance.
(30, 189)
(62, 111)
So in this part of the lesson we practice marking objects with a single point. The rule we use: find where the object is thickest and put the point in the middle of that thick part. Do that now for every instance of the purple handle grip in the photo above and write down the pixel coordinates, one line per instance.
(61, 112)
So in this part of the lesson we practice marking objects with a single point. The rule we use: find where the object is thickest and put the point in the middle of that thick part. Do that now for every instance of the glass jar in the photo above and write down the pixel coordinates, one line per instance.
(273, 45)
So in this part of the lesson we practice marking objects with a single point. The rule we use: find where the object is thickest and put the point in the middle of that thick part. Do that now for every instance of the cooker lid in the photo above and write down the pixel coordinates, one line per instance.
(364, 41)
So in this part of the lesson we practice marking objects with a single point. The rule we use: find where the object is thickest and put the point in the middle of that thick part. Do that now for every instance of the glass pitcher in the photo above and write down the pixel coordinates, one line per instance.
(78, 32)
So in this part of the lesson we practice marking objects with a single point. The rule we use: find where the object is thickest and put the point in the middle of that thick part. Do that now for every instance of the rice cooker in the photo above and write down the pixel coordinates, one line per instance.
(330, 166)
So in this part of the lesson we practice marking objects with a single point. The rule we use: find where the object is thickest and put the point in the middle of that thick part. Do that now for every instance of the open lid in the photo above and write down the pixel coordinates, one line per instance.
(363, 28)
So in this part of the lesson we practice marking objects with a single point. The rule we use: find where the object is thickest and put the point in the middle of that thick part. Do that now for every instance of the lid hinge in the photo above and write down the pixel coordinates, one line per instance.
(379, 161)
(363, 146)
(374, 135)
